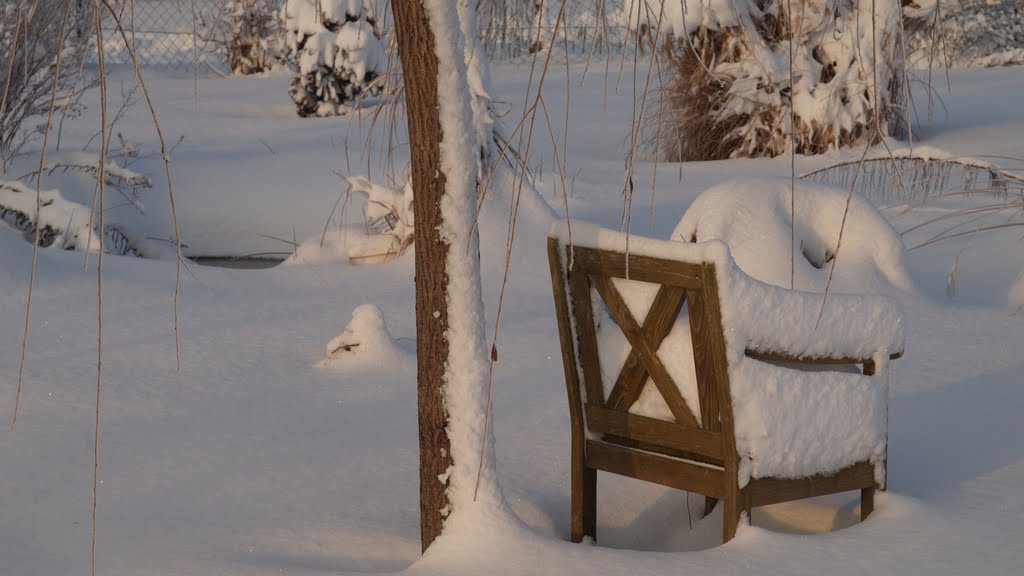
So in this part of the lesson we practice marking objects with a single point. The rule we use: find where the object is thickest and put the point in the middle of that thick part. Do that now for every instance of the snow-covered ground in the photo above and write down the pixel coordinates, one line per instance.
(255, 458)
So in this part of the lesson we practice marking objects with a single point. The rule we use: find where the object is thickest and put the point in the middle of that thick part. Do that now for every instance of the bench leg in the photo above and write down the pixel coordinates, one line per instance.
(867, 502)
(730, 516)
(733, 506)
(583, 513)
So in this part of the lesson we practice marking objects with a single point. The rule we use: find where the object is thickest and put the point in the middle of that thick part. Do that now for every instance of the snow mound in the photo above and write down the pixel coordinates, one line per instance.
(754, 218)
(365, 341)
(330, 247)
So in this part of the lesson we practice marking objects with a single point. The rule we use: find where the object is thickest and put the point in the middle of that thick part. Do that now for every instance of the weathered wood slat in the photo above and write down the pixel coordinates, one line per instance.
(777, 356)
(583, 313)
(654, 431)
(659, 449)
(765, 491)
(689, 476)
(660, 319)
(714, 335)
(659, 374)
(642, 268)
(583, 500)
(703, 365)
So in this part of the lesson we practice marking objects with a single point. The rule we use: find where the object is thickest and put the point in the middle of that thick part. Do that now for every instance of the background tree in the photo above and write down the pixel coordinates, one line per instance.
(456, 450)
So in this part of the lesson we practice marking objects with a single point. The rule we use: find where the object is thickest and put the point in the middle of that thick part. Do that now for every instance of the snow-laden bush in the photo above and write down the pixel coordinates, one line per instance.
(69, 225)
(247, 32)
(389, 221)
(62, 223)
(337, 49)
(973, 33)
(731, 93)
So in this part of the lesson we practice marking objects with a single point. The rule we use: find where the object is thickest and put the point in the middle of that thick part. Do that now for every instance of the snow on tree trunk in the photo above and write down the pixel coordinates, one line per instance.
(337, 49)
(732, 94)
(479, 79)
(467, 368)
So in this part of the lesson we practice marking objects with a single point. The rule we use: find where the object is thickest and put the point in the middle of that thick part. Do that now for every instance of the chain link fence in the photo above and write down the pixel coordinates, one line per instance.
(175, 33)
(165, 33)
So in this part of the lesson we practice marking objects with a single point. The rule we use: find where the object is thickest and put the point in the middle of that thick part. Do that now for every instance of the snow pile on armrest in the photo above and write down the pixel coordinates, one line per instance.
(754, 218)
(786, 321)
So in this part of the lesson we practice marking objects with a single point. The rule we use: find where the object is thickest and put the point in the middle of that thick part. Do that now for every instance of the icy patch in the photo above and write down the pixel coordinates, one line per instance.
(754, 218)
(365, 342)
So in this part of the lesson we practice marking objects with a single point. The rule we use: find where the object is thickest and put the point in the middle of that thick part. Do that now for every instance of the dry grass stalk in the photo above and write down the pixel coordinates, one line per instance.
(912, 179)
(37, 230)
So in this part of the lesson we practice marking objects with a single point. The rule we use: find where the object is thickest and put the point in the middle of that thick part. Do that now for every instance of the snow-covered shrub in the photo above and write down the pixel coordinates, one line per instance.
(386, 233)
(32, 35)
(973, 33)
(70, 225)
(389, 222)
(248, 32)
(731, 93)
(62, 223)
(337, 49)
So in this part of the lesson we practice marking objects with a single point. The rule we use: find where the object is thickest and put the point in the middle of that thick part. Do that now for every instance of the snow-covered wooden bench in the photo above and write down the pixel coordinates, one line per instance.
(684, 371)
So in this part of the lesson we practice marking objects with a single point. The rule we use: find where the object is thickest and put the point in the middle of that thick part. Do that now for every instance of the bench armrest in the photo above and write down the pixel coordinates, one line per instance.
(791, 325)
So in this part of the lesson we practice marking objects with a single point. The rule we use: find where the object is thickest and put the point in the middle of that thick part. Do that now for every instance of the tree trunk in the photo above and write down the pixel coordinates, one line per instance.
(419, 63)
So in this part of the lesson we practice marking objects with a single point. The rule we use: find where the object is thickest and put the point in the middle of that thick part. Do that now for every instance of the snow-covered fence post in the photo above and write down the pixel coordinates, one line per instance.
(452, 363)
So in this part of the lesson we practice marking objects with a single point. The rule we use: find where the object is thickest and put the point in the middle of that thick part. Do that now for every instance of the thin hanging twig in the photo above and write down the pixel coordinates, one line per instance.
(167, 168)
(38, 228)
(100, 179)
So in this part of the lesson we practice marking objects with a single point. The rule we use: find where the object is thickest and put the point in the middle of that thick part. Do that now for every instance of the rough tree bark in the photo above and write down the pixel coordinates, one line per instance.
(419, 64)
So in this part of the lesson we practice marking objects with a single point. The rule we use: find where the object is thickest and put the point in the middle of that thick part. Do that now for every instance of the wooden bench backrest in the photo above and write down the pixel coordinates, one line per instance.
(692, 284)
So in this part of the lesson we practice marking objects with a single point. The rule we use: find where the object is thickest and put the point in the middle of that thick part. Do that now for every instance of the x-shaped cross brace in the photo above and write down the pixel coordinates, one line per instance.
(643, 358)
